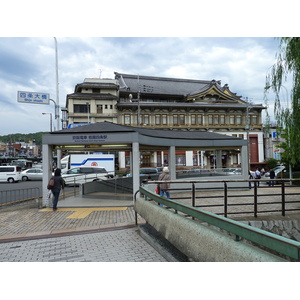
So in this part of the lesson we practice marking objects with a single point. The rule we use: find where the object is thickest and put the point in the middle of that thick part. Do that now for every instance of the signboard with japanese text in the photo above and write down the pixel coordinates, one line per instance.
(33, 97)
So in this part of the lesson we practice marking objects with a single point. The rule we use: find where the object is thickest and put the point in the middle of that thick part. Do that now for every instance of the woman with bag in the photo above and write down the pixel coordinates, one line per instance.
(164, 187)
(58, 185)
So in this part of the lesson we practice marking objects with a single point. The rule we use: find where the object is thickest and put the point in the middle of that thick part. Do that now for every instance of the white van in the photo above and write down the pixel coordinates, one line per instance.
(10, 173)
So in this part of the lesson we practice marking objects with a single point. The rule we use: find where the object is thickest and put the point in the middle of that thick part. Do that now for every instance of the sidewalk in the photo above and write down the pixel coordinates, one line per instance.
(85, 234)
(74, 214)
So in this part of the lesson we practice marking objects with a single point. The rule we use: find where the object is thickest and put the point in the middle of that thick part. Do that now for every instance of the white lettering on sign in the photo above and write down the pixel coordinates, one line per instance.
(33, 97)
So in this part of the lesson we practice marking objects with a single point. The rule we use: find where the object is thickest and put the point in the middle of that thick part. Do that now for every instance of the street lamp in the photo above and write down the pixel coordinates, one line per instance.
(50, 120)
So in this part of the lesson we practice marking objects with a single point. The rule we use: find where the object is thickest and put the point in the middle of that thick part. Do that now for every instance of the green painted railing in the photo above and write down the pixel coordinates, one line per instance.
(269, 240)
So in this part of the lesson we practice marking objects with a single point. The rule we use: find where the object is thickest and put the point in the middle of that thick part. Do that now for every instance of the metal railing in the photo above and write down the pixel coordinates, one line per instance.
(21, 197)
(260, 237)
(253, 202)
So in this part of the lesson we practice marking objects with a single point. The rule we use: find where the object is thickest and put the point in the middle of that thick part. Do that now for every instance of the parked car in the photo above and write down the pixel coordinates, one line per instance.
(277, 171)
(232, 171)
(32, 174)
(10, 174)
(148, 171)
(78, 175)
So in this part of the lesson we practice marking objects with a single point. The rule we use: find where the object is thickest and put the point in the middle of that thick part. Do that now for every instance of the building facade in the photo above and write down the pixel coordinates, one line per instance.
(170, 103)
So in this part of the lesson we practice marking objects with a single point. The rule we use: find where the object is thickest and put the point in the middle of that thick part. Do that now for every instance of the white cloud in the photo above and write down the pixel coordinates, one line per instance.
(29, 64)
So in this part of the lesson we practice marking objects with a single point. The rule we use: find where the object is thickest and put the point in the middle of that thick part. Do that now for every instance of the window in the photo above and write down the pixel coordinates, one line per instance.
(193, 119)
(145, 119)
(81, 108)
(164, 120)
(99, 109)
(157, 119)
(73, 171)
(96, 90)
(210, 119)
(175, 120)
(216, 119)
(127, 120)
(231, 120)
(182, 119)
(222, 119)
(238, 119)
(253, 120)
(200, 119)
(106, 106)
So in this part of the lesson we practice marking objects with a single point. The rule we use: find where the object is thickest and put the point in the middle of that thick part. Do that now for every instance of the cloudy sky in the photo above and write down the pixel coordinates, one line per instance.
(27, 63)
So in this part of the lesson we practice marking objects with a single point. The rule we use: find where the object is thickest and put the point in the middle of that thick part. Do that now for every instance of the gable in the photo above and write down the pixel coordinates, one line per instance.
(214, 93)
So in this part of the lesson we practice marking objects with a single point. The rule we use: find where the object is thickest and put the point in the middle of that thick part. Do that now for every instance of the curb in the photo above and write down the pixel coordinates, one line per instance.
(60, 233)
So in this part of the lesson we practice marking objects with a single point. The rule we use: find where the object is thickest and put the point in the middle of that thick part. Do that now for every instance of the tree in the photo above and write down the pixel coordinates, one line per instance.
(288, 120)
(272, 163)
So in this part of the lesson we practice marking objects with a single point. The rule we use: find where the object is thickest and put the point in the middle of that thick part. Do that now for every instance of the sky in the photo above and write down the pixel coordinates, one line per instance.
(88, 50)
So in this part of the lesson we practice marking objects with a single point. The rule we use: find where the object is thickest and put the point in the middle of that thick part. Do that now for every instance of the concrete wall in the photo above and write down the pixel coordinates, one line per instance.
(286, 228)
(199, 242)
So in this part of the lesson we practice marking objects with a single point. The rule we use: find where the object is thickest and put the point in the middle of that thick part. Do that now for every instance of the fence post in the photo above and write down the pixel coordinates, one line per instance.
(193, 195)
(255, 199)
(282, 198)
(225, 199)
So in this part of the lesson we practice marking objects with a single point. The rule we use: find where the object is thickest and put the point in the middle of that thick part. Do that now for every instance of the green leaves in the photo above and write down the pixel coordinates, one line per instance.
(288, 119)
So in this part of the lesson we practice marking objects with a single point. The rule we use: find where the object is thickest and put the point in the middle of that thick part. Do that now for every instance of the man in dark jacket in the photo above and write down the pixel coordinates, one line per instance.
(272, 176)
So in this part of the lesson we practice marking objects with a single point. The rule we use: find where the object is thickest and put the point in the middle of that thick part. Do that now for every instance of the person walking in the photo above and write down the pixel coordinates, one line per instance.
(272, 176)
(59, 185)
(164, 187)
(257, 175)
(250, 177)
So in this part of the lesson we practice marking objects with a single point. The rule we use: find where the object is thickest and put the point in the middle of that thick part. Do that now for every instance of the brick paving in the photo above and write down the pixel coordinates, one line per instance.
(41, 235)
(124, 245)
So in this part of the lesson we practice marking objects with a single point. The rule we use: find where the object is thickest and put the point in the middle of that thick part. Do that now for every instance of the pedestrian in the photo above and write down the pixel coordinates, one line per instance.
(250, 177)
(272, 176)
(164, 187)
(257, 175)
(59, 185)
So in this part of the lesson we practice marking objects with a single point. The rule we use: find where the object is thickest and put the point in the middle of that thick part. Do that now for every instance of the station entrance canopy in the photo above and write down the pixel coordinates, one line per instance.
(107, 136)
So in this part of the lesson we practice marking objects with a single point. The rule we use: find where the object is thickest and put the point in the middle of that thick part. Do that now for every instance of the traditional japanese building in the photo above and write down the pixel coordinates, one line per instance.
(171, 103)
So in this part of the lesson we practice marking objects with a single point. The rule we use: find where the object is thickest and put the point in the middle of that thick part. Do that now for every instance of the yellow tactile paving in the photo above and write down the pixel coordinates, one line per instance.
(81, 213)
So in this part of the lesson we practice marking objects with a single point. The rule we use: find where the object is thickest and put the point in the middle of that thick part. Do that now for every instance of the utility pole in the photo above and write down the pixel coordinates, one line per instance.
(57, 102)
(139, 108)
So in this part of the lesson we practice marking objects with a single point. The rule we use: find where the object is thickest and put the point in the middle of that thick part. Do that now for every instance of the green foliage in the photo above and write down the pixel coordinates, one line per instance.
(21, 137)
(272, 163)
(288, 119)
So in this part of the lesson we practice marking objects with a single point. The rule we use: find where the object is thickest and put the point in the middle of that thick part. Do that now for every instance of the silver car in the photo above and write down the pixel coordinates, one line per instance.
(32, 174)
(78, 175)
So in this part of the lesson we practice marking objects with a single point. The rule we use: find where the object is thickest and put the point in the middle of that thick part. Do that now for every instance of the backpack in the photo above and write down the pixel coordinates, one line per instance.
(50, 185)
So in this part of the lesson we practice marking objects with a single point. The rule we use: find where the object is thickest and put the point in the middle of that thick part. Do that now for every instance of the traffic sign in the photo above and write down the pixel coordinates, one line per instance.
(33, 97)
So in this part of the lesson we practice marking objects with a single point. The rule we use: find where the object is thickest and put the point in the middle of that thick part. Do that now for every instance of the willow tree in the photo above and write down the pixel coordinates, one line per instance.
(288, 119)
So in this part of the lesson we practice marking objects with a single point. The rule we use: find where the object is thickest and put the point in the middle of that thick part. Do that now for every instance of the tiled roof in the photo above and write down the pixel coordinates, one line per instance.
(92, 96)
(106, 127)
(159, 85)
(184, 105)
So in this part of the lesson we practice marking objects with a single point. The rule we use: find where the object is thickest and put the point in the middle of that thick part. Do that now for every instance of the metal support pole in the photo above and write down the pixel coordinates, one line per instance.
(255, 199)
(225, 199)
(282, 199)
(193, 195)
